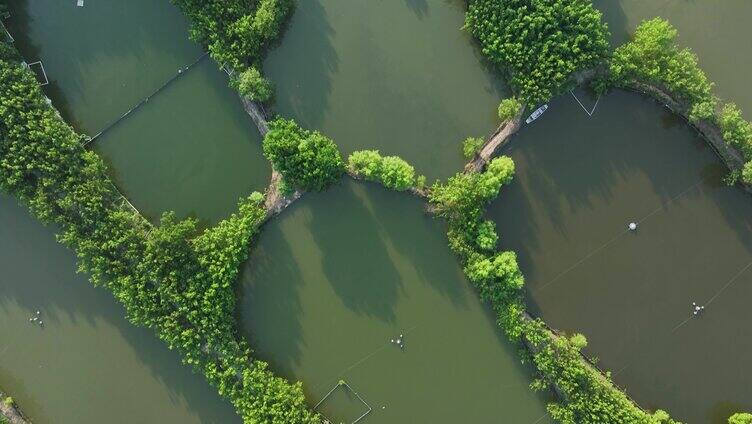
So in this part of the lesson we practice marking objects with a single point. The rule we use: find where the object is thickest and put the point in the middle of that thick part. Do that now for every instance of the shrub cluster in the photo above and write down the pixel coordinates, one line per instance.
(391, 171)
(471, 146)
(509, 108)
(538, 44)
(306, 159)
(170, 277)
(653, 57)
(740, 418)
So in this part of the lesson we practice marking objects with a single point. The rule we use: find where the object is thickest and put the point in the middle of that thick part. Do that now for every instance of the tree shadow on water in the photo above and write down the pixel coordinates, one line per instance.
(303, 65)
(269, 300)
(354, 254)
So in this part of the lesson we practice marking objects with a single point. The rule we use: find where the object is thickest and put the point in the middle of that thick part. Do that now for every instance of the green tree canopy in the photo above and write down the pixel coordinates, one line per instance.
(538, 44)
(306, 159)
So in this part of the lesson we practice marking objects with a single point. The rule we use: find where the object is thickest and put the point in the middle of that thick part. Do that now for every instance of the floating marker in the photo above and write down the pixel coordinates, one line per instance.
(632, 226)
(80, 3)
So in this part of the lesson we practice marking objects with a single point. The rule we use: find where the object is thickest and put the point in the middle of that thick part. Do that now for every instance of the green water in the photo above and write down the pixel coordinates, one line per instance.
(102, 58)
(631, 293)
(398, 76)
(340, 274)
(87, 364)
(191, 149)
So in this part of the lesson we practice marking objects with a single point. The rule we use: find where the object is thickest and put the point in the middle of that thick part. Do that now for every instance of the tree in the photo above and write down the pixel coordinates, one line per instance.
(509, 108)
(251, 84)
(740, 418)
(306, 159)
(736, 130)
(471, 146)
(391, 171)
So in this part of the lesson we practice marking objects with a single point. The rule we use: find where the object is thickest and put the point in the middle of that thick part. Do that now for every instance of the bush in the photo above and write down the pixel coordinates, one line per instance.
(251, 84)
(538, 44)
(391, 171)
(736, 130)
(747, 173)
(509, 108)
(471, 146)
(740, 418)
(306, 159)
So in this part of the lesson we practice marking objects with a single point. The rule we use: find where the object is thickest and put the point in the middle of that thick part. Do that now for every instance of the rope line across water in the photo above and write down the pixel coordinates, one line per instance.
(615, 238)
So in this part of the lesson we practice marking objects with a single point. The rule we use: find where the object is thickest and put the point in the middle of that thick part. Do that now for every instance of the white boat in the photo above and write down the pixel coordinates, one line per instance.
(535, 115)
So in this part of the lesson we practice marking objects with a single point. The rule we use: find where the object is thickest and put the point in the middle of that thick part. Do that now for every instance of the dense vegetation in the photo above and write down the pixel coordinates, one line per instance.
(509, 108)
(740, 418)
(306, 159)
(237, 32)
(471, 146)
(391, 171)
(538, 44)
(653, 57)
(169, 277)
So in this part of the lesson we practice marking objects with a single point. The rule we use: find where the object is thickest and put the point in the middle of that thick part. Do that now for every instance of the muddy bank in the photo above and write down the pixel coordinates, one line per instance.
(10, 410)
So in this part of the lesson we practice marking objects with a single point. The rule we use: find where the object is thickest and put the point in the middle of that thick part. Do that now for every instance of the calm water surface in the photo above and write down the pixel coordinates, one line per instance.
(398, 76)
(88, 364)
(579, 182)
(324, 292)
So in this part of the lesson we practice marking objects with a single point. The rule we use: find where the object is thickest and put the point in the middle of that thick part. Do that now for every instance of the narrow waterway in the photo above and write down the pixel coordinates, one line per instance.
(579, 182)
(398, 76)
(87, 364)
(324, 293)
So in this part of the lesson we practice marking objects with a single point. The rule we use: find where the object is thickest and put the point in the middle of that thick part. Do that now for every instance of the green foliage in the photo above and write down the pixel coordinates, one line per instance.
(538, 43)
(740, 418)
(420, 182)
(8, 401)
(736, 130)
(251, 84)
(465, 194)
(471, 146)
(653, 57)
(487, 238)
(747, 173)
(235, 31)
(171, 278)
(509, 108)
(306, 159)
(391, 171)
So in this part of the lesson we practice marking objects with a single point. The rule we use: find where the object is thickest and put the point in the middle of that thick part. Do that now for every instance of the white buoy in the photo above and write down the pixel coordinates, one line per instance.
(632, 226)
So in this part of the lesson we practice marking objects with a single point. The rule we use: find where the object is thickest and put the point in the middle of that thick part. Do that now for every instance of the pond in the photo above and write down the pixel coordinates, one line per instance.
(579, 182)
(87, 364)
(325, 292)
(398, 76)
